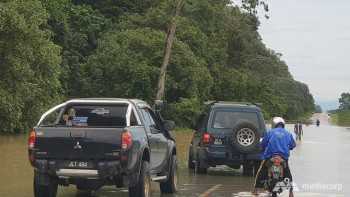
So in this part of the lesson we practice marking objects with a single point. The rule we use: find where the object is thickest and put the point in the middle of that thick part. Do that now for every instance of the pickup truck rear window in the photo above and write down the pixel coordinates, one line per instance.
(229, 119)
(92, 116)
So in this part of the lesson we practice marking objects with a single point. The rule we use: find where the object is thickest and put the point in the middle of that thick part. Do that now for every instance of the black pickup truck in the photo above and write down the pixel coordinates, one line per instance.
(91, 143)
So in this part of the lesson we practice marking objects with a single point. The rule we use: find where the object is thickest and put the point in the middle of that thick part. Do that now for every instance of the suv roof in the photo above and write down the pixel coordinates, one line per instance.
(233, 104)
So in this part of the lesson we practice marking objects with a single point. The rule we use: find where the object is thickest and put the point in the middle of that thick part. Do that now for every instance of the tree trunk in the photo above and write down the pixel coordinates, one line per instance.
(167, 53)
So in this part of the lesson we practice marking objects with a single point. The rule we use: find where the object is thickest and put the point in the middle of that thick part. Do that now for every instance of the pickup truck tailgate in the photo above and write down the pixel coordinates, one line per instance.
(72, 143)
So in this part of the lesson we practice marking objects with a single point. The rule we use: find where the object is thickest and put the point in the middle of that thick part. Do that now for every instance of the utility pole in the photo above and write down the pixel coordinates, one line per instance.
(167, 53)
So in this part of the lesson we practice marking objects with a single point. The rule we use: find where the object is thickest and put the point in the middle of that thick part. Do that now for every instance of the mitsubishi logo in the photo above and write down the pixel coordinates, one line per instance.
(78, 146)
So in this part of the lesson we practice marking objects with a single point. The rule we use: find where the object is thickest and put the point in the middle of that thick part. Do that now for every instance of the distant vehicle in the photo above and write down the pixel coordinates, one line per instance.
(95, 142)
(318, 122)
(228, 133)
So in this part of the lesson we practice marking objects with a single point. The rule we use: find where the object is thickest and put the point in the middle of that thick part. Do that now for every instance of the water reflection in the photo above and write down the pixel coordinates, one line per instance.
(15, 172)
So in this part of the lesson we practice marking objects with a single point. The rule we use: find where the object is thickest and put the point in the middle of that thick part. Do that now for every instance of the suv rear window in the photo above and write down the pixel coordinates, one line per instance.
(81, 115)
(229, 119)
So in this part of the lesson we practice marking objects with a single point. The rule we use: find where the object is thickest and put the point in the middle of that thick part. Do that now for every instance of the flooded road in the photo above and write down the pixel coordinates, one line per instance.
(320, 165)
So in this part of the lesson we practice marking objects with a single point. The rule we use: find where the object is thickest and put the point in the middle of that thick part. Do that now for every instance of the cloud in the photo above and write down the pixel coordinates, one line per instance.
(313, 37)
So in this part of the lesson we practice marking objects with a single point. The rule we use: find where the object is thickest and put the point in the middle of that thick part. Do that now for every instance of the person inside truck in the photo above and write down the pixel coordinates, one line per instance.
(69, 116)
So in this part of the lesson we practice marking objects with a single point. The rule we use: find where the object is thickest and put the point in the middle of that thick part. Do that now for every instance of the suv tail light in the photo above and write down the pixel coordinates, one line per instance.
(126, 140)
(31, 146)
(206, 138)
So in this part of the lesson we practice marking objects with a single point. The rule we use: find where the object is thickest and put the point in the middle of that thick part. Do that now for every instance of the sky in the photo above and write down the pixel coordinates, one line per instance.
(314, 38)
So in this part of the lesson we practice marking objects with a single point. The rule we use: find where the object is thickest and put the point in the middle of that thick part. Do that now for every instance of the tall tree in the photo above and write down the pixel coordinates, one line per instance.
(169, 43)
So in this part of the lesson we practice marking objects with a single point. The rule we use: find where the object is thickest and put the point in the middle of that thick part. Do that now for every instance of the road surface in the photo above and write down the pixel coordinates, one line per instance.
(320, 165)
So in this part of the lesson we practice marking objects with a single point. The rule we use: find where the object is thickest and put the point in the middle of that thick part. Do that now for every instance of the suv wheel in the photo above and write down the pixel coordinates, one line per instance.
(143, 187)
(247, 169)
(48, 190)
(202, 170)
(199, 169)
(170, 186)
(250, 168)
(245, 137)
(190, 163)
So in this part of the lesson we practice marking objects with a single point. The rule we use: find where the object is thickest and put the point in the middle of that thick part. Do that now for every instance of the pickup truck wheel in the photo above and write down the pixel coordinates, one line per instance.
(143, 187)
(49, 190)
(190, 163)
(170, 186)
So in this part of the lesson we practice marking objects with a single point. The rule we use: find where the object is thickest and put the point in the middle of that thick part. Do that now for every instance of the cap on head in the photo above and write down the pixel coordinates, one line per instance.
(278, 121)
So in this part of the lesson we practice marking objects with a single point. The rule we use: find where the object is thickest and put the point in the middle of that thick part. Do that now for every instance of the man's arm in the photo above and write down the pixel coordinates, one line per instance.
(265, 141)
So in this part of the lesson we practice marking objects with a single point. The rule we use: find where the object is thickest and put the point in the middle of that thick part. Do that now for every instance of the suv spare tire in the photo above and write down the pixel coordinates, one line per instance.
(246, 136)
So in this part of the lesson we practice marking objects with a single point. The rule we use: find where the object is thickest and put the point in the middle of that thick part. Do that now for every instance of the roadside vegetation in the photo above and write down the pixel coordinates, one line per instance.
(341, 116)
(304, 119)
(54, 50)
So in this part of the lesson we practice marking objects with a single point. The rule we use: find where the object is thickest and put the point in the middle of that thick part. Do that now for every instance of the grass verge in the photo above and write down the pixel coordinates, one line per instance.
(341, 118)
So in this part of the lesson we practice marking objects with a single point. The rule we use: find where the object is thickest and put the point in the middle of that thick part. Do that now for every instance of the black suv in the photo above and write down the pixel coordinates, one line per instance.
(227, 133)
(91, 143)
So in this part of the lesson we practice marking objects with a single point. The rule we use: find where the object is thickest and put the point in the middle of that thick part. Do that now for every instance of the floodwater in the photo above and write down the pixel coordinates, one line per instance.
(320, 165)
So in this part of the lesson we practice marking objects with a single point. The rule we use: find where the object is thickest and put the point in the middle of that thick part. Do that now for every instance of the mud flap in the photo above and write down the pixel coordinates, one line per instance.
(42, 178)
(41, 172)
(131, 179)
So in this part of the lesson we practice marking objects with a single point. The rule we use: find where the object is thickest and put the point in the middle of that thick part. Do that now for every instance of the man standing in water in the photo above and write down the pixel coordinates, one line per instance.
(298, 130)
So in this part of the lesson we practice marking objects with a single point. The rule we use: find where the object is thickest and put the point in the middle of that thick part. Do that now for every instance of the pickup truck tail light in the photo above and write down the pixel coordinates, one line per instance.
(31, 146)
(126, 140)
(206, 138)
(31, 139)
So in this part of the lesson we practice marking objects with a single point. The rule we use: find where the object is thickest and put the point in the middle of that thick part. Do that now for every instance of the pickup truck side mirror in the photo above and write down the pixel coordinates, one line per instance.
(169, 125)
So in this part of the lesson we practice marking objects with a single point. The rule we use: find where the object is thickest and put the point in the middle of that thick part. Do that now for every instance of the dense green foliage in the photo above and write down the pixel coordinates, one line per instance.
(29, 64)
(344, 101)
(342, 115)
(341, 118)
(115, 49)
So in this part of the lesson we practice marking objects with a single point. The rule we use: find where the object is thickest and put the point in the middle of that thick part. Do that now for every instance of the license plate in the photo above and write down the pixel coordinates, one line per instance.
(78, 164)
(218, 141)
